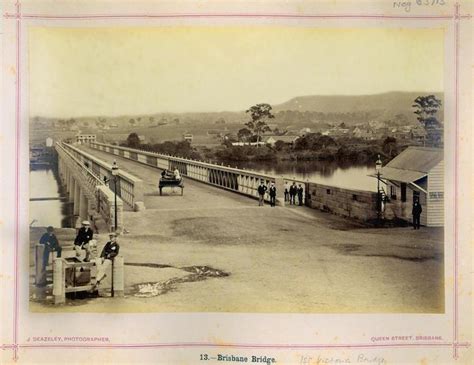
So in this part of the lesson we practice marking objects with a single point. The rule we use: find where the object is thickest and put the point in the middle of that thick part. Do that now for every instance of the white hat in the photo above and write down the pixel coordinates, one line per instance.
(86, 223)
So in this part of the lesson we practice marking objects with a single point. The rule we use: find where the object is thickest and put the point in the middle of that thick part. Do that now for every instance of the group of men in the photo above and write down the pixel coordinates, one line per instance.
(82, 244)
(291, 192)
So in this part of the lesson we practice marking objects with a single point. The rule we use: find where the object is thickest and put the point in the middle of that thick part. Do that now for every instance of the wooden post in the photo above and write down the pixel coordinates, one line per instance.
(59, 290)
(117, 276)
(40, 272)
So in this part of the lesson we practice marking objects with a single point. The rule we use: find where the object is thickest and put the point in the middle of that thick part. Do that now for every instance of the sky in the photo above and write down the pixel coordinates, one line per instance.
(125, 71)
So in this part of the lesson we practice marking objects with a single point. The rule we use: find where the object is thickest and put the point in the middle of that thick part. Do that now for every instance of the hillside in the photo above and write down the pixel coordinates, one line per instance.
(391, 102)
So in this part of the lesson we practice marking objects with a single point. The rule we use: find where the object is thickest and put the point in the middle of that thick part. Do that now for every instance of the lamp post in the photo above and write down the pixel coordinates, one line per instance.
(115, 171)
(378, 167)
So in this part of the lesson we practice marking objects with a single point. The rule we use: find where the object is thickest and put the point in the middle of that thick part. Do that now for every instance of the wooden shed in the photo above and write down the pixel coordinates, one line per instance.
(416, 173)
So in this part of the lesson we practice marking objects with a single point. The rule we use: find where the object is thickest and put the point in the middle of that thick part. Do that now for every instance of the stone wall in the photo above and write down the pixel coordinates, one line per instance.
(357, 204)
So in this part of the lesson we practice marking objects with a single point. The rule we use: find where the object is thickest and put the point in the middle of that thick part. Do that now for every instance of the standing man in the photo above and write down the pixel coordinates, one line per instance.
(110, 250)
(300, 191)
(261, 193)
(416, 212)
(51, 244)
(272, 193)
(84, 235)
(293, 191)
(287, 192)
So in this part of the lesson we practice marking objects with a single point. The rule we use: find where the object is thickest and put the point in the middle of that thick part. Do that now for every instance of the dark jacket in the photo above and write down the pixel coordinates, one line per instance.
(51, 241)
(416, 209)
(293, 189)
(83, 236)
(300, 191)
(262, 189)
(273, 191)
(110, 250)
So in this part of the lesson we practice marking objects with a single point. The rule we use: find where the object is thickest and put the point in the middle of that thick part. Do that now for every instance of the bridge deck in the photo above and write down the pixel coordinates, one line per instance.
(282, 259)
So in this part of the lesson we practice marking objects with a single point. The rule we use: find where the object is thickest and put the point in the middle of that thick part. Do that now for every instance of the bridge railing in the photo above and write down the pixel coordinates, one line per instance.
(94, 188)
(238, 180)
(129, 187)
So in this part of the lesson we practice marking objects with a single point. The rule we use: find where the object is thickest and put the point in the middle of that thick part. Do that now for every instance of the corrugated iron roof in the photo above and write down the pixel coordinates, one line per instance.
(420, 159)
(406, 176)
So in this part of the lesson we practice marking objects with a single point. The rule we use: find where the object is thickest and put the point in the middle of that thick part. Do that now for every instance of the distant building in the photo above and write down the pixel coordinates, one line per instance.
(86, 138)
(272, 140)
(416, 173)
(188, 137)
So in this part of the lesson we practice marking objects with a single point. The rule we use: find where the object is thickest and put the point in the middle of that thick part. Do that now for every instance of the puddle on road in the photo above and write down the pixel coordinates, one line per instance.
(152, 289)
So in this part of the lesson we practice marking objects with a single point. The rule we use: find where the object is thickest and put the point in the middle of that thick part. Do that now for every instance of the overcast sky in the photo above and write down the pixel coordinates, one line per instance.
(118, 71)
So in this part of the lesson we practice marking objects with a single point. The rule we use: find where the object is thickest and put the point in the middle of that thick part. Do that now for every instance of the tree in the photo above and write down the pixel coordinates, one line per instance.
(244, 134)
(259, 113)
(132, 122)
(426, 108)
(133, 140)
(389, 147)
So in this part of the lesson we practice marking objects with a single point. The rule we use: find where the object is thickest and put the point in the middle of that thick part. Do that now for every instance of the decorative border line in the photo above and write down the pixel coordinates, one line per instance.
(457, 16)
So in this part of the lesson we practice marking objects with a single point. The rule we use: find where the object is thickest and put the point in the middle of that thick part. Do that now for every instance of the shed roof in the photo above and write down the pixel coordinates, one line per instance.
(412, 164)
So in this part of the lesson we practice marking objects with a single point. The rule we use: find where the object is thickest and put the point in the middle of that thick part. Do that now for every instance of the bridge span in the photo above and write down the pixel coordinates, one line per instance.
(281, 259)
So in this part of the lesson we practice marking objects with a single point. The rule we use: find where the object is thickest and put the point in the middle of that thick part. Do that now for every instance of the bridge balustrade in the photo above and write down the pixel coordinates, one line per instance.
(129, 187)
(242, 181)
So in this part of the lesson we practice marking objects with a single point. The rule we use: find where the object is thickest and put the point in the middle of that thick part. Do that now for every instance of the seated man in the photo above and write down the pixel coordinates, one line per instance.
(84, 235)
(177, 175)
(110, 250)
(51, 244)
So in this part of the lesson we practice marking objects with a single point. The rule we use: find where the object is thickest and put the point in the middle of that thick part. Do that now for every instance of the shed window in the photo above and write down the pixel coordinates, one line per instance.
(328, 191)
(393, 192)
(403, 188)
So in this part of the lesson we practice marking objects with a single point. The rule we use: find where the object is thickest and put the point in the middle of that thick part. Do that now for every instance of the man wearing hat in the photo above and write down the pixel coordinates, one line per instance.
(110, 250)
(84, 235)
(50, 243)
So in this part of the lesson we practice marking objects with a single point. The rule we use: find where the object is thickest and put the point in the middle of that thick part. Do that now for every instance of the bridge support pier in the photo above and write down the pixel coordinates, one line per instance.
(71, 187)
(77, 198)
(83, 206)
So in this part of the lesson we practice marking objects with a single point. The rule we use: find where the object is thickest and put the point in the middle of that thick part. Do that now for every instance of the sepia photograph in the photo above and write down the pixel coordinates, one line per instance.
(242, 169)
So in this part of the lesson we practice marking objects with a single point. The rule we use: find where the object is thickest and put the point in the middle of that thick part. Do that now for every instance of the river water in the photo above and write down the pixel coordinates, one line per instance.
(56, 213)
(323, 172)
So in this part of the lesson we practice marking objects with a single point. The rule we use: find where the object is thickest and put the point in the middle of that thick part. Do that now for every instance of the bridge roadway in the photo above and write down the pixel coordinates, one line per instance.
(282, 259)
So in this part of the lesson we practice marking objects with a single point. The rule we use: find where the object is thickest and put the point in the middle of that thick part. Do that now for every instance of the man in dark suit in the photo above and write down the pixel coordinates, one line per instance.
(84, 235)
(110, 250)
(300, 191)
(51, 244)
(416, 212)
(293, 191)
(272, 193)
(261, 193)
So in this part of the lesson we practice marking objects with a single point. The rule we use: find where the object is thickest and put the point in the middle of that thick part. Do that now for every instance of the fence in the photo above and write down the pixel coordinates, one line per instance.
(97, 193)
(242, 181)
(129, 188)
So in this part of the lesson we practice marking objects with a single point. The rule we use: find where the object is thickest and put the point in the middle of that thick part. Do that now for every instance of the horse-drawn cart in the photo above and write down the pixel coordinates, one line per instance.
(170, 180)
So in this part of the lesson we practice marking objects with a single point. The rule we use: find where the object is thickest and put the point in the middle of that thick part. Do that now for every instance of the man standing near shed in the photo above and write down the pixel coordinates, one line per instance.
(51, 244)
(416, 212)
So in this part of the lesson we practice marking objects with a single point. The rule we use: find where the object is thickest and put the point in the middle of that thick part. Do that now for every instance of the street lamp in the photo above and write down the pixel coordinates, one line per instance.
(378, 167)
(115, 171)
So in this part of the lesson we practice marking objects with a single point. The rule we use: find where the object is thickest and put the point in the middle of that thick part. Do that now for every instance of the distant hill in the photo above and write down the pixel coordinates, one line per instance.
(389, 103)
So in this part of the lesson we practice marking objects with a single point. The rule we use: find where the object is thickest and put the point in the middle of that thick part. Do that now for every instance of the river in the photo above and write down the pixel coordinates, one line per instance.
(323, 172)
(43, 213)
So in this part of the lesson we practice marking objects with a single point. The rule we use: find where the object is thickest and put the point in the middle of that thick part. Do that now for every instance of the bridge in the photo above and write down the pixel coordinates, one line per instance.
(278, 259)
